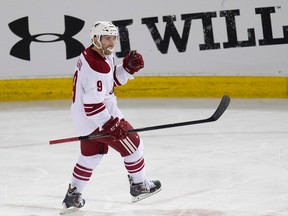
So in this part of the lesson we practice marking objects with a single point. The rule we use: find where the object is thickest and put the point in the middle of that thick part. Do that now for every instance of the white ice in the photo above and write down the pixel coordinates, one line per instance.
(236, 166)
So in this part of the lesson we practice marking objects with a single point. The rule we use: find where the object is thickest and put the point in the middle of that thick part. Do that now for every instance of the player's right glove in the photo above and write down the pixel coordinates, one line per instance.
(133, 62)
(116, 128)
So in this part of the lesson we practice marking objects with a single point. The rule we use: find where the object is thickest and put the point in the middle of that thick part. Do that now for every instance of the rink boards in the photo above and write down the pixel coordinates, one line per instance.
(193, 49)
(153, 87)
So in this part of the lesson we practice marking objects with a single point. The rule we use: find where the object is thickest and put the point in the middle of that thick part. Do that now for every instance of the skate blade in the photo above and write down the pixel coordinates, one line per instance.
(66, 210)
(144, 196)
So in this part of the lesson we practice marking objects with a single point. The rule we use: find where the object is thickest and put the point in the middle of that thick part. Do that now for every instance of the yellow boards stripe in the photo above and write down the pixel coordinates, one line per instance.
(35, 89)
(153, 87)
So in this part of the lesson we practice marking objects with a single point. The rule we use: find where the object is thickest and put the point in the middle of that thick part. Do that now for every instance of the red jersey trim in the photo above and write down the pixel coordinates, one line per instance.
(96, 61)
(93, 109)
(116, 81)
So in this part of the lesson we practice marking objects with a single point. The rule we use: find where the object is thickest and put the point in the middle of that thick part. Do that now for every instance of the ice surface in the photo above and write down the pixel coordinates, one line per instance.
(237, 166)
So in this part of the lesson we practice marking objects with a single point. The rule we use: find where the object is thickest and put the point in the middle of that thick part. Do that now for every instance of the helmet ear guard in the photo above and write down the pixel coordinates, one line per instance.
(100, 28)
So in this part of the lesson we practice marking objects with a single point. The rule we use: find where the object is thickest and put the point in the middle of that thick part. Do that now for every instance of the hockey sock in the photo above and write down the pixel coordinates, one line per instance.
(81, 175)
(83, 170)
(135, 164)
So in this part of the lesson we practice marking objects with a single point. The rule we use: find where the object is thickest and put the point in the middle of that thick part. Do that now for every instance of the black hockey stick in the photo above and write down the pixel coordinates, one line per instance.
(216, 115)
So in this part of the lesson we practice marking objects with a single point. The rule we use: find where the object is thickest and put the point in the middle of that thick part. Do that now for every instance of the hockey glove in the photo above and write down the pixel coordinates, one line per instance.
(116, 128)
(133, 62)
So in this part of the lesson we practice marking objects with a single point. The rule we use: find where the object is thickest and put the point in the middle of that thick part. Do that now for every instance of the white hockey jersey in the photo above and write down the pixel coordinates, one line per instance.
(94, 101)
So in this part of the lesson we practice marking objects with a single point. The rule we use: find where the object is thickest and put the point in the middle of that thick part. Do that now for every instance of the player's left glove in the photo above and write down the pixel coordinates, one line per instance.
(133, 62)
(116, 128)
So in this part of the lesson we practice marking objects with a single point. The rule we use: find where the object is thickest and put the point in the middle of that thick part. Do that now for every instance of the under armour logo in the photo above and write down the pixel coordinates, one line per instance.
(21, 49)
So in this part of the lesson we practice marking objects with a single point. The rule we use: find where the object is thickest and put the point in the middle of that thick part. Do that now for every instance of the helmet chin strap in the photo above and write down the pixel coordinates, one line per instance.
(101, 47)
(110, 49)
(98, 47)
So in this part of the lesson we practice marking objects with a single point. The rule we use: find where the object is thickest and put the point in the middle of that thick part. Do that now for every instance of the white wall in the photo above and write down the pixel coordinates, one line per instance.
(49, 59)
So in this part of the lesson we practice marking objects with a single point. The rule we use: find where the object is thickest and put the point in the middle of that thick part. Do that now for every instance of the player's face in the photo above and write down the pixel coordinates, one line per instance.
(108, 43)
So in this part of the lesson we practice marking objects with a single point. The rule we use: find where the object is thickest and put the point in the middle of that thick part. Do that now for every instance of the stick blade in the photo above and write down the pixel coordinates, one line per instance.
(225, 101)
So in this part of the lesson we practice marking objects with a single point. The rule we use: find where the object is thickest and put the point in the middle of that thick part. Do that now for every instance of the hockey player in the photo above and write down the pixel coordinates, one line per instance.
(94, 110)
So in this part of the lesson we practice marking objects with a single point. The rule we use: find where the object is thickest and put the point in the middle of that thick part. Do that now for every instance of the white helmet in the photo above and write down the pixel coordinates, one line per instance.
(102, 28)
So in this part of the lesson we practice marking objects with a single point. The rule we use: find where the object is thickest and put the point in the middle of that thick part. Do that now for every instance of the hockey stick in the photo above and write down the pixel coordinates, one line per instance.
(216, 115)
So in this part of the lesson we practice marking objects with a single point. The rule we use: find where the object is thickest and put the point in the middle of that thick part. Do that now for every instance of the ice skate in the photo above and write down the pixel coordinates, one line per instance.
(72, 202)
(144, 189)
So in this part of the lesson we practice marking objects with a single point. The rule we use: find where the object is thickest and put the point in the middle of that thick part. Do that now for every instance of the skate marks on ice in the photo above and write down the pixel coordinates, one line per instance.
(237, 166)
(44, 211)
(156, 212)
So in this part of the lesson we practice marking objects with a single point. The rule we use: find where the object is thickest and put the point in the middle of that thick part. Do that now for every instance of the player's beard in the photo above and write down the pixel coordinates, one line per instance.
(107, 52)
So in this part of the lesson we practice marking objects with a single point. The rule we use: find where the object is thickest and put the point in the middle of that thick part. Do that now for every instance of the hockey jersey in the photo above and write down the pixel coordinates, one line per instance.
(93, 96)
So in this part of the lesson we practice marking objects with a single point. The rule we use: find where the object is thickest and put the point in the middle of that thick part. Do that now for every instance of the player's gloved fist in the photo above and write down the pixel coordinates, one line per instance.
(116, 128)
(133, 62)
